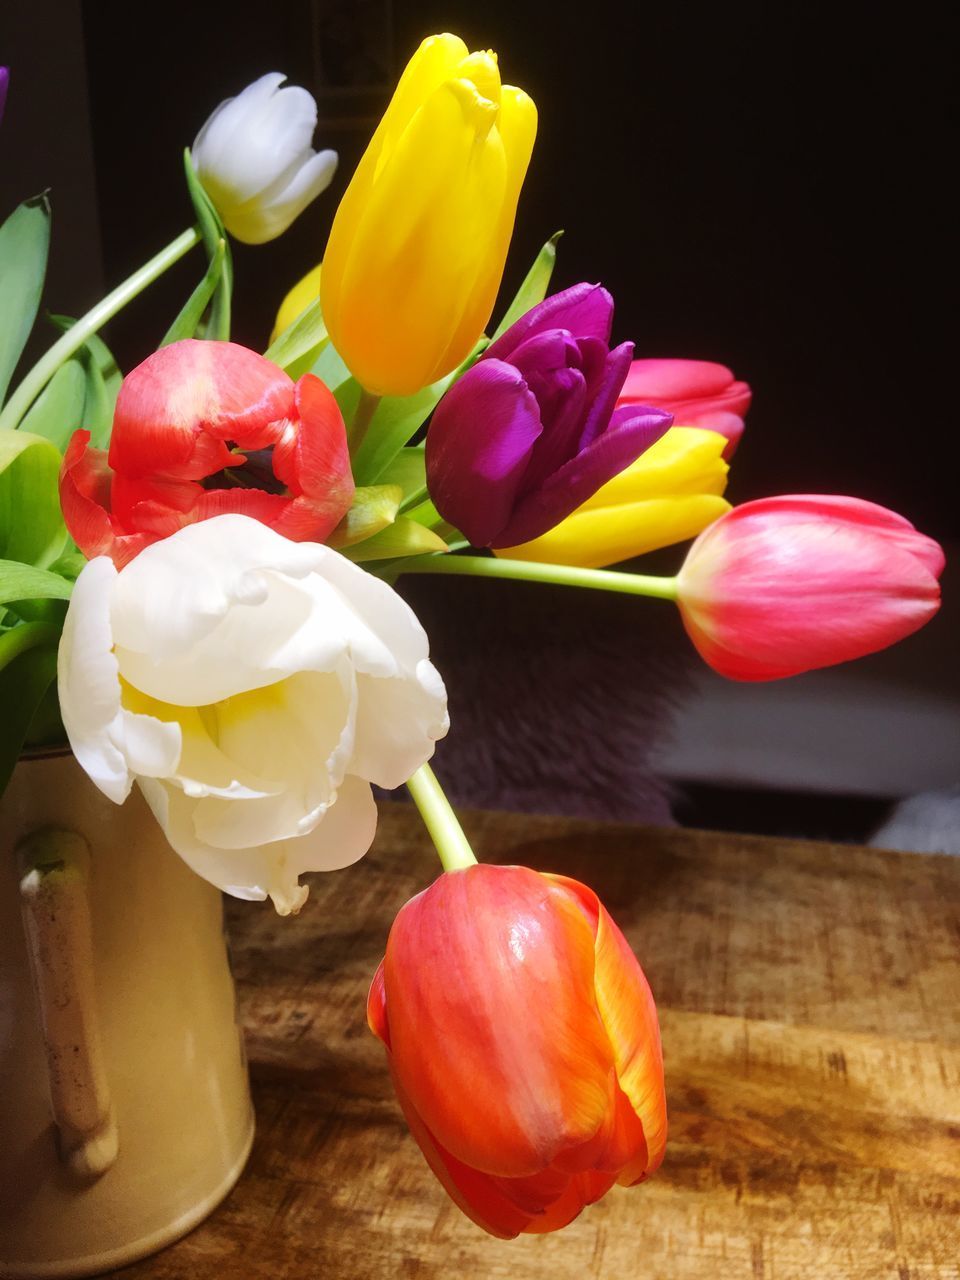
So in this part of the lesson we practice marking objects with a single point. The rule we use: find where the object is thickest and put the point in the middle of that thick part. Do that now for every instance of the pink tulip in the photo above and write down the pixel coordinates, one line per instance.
(785, 585)
(698, 393)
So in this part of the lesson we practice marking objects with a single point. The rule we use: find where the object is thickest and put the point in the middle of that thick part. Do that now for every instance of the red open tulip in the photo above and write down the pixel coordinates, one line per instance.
(523, 1043)
(189, 424)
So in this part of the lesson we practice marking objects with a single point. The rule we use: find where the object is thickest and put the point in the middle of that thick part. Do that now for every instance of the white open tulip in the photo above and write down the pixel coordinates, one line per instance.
(255, 159)
(253, 687)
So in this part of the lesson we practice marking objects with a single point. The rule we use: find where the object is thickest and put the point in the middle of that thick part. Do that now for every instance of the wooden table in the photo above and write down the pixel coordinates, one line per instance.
(809, 1000)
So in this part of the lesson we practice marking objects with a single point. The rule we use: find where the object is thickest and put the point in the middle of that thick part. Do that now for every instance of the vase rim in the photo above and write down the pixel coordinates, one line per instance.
(52, 752)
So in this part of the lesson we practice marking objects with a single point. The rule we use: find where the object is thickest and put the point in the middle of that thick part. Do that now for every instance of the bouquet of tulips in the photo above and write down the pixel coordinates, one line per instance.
(196, 584)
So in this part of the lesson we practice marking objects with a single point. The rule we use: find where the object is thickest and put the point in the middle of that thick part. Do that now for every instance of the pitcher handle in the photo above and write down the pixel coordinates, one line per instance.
(55, 903)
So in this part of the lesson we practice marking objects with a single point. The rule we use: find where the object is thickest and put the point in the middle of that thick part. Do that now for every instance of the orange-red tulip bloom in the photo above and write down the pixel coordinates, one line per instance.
(185, 422)
(523, 1043)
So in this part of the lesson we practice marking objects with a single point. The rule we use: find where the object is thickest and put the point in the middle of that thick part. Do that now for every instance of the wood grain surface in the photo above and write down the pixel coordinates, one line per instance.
(809, 1001)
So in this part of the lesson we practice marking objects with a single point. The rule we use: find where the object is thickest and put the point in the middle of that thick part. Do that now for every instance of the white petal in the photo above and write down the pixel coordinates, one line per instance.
(270, 212)
(299, 732)
(398, 722)
(88, 684)
(221, 139)
(344, 835)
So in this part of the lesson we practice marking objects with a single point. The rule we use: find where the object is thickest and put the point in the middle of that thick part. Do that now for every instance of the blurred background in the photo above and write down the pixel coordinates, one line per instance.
(758, 185)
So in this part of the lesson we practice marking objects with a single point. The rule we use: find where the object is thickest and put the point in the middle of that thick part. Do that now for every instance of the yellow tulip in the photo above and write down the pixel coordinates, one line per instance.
(671, 493)
(417, 247)
(297, 300)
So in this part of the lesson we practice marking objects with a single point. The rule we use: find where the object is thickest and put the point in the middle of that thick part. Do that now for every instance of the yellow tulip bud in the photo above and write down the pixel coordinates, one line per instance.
(671, 493)
(296, 301)
(417, 247)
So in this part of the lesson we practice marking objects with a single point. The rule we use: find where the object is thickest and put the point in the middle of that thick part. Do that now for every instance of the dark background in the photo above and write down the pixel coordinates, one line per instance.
(760, 184)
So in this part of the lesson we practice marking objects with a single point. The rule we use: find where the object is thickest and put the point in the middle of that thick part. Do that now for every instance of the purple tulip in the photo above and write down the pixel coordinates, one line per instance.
(532, 430)
(4, 81)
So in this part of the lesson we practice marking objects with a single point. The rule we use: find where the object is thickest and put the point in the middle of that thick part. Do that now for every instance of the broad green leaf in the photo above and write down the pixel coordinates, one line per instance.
(188, 321)
(25, 582)
(402, 538)
(408, 469)
(534, 288)
(59, 409)
(396, 421)
(212, 231)
(373, 509)
(70, 565)
(297, 349)
(24, 245)
(23, 686)
(330, 369)
(103, 378)
(31, 526)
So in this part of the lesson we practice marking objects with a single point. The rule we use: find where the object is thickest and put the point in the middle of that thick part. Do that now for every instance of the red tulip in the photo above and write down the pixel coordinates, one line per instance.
(523, 1044)
(698, 393)
(785, 585)
(186, 421)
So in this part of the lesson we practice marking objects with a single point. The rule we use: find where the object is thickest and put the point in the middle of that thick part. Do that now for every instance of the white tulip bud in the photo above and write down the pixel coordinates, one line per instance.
(255, 159)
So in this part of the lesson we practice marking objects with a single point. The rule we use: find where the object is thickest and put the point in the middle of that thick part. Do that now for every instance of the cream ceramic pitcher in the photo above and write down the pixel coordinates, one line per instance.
(125, 1113)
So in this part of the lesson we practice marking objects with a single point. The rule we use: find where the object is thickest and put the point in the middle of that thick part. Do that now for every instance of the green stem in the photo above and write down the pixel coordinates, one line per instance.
(74, 338)
(366, 408)
(440, 820)
(565, 575)
(28, 635)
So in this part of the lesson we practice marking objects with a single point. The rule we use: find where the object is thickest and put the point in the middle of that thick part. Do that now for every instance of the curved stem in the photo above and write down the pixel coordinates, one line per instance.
(71, 341)
(440, 820)
(565, 575)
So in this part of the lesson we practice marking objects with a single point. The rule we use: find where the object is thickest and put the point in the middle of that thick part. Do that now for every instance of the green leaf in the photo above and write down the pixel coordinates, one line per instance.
(373, 509)
(188, 321)
(330, 369)
(24, 245)
(59, 409)
(103, 378)
(402, 538)
(31, 526)
(24, 582)
(534, 288)
(397, 419)
(408, 470)
(23, 685)
(299, 347)
(212, 232)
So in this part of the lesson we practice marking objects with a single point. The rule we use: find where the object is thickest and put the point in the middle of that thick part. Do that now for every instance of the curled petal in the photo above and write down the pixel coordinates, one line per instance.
(631, 431)
(85, 501)
(479, 446)
(176, 411)
(585, 310)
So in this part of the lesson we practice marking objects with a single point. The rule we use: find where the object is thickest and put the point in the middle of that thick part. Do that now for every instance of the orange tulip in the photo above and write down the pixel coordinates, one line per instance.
(523, 1044)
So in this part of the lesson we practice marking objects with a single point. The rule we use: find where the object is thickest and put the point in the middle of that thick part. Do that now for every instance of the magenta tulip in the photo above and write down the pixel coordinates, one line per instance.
(785, 585)
(698, 393)
(533, 429)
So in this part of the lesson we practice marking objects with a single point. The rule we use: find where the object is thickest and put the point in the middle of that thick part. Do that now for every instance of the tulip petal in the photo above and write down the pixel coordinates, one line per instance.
(595, 538)
(311, 458)
(479, 446)
(600, 418)
(476, 1194)
(630, 1017)
(672, 379)
(85, 502)
(585, 310)
(786, 585)
(493, 1019)
(177, 409)
(395, 318)
(344, 834)
(88, 683)
(631, 431)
